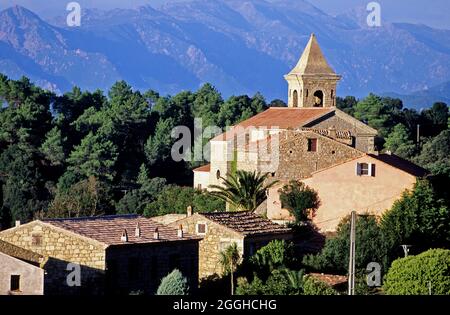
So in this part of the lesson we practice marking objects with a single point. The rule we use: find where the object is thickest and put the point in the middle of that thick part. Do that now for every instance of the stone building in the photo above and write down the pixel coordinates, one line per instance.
(305, 141)
(115, 254)
(21, 271)
(220, 229)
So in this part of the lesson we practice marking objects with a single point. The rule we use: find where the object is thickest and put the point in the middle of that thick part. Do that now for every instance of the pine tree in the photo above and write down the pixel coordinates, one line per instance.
(173, 284)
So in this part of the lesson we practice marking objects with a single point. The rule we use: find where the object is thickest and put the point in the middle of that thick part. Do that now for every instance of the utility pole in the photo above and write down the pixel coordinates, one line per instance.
(418, 137)
(351, 264)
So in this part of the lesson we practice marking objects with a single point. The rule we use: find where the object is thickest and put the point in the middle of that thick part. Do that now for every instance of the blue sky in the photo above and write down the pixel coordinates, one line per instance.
(435, 13)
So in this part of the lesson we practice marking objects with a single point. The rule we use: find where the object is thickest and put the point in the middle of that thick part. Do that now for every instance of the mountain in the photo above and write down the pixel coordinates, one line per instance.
(240, 46)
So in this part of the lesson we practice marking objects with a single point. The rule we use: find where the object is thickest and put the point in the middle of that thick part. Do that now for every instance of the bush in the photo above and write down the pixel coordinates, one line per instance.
(300, 200)
(276, 284)
(276, 254)
(313, 286)
(173, 284)
(335, 255)
(412, 275)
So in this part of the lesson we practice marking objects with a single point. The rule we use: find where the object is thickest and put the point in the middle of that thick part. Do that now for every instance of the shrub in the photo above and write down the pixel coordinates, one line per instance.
(276, 254)
(299, 199)
(412, 275)
(335, 254)
(173, 284)
(313, 286)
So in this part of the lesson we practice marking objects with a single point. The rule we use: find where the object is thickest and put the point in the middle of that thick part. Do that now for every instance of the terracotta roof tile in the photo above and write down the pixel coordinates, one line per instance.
(109, 229)
(204, 168)
(21, 253)
(246, 222)
(279, 117)
(331, 280)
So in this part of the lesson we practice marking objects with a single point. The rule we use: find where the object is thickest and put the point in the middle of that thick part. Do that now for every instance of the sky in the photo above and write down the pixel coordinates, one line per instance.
(434, 13)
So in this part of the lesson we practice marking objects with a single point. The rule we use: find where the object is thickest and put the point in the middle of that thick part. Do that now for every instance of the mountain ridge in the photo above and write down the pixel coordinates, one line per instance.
(239, 46)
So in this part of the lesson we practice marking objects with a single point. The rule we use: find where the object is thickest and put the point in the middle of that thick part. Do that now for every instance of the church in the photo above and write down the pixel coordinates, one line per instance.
(312, 141)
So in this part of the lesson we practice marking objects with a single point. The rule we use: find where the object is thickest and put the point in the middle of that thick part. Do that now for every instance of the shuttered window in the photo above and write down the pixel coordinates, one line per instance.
(365, 169)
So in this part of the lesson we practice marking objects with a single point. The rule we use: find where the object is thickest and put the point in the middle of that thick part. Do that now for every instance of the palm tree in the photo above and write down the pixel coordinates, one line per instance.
(295, 279)
(229, 259)
(243, 190)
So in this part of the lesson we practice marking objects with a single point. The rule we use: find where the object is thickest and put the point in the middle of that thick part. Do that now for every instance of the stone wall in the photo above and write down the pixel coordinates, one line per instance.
(216, 239)
(296, 162)
(62, 248)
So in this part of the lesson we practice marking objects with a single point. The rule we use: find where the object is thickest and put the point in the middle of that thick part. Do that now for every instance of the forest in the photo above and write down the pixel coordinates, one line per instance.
(94, 152)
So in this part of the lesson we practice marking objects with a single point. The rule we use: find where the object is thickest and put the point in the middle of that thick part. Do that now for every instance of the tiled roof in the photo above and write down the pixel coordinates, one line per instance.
(246, 223)
(331, 280)
(204, 168)
(109, 229)
(401, 164)
(21, 253)
(279, 117)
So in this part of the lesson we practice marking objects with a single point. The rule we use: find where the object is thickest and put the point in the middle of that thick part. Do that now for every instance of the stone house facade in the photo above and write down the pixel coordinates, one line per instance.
(115, 254)
(221, 229)
(21, 271)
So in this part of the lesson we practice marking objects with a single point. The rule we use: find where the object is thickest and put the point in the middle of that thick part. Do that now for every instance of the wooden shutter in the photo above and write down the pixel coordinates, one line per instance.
(372, 169)
(358, 169)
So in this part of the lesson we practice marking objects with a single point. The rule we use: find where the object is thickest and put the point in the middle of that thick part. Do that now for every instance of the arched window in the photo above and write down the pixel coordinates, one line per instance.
(318, 99)
(295, 99)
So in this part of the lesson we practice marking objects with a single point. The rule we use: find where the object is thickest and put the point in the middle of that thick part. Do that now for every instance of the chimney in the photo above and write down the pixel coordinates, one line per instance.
(156, 234)
(137, 230)
(17, 223)
(332, 132)
(189, 211)
(180, 231)
(124, 237)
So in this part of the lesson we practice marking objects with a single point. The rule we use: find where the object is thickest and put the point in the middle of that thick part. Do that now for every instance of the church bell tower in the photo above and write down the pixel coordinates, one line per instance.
(312, 82)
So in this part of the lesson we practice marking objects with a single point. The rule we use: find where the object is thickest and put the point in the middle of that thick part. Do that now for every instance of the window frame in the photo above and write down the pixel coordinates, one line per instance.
(197, 228)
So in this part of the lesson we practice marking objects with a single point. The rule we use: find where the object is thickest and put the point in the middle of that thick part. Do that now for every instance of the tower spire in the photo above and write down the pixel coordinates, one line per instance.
(312, 82)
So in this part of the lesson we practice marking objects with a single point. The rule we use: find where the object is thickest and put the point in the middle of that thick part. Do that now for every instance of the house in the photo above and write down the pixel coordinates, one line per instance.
(221, 229)
(312, 141)
(21, 271)
(115, 254)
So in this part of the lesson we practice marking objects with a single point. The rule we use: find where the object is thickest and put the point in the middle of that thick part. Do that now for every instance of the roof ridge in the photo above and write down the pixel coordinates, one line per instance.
(100, 217)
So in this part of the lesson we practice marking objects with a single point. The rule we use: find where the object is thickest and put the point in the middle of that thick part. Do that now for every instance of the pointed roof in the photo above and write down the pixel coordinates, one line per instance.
(312, 60)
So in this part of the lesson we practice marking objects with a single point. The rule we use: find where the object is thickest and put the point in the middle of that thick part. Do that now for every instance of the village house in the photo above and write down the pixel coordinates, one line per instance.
(21, 271)
(116, 254)
(221, 229)
(312, 141)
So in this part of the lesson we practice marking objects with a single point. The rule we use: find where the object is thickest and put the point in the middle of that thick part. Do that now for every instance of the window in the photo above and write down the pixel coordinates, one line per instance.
(365, 169)
(295, 99)
(201, 228)
(36, 239)
(15, 283)
(312, 145)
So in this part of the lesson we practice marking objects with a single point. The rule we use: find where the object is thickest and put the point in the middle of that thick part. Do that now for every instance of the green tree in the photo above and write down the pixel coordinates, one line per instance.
(243, 190)
(173, 284)
(399, 142)
(435, 154)
(300, 200)
(95, 156)
(158, 146)
(89, 197)
(275, 255)
(417, 275)
(53, 147)
(420, 218)
(229, 258)
(335, 253)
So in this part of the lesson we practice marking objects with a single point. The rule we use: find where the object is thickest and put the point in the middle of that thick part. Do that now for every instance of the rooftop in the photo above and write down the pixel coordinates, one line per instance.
(21, 253)
(203, 168)
(312, 61)
(401, 164)
(277, 117)
(109, 229)
(246, 223)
